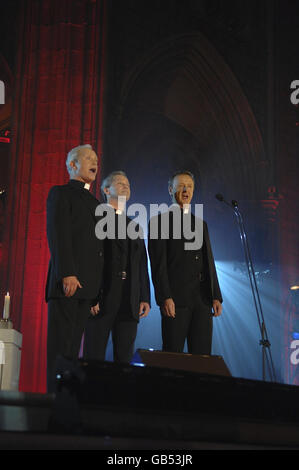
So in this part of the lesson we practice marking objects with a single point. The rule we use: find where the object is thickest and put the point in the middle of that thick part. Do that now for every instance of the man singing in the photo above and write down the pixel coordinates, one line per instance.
(126, 288)
(76, 264)
(185, 281)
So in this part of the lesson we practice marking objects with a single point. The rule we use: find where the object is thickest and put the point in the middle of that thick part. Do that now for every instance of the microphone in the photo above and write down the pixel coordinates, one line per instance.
(219, 197)
(264, 342)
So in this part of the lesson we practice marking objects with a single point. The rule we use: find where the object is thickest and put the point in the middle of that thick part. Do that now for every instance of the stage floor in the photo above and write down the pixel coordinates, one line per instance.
(104, 406)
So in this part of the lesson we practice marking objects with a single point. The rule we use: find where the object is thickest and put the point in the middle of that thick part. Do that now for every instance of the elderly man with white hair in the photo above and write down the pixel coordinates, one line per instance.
(76, 264)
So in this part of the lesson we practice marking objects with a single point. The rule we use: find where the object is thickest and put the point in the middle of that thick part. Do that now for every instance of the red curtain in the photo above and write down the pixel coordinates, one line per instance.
(59, 83)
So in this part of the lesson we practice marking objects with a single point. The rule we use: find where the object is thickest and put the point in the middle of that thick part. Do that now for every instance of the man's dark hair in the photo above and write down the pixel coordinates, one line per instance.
(180, 172)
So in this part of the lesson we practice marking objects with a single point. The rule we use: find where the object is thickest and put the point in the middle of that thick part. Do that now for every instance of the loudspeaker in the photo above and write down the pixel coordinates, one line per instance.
(182, 361)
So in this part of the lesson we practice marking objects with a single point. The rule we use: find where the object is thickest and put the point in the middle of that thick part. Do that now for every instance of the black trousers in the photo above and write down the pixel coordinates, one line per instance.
(194, 323)
(114, 317)
(66, 322)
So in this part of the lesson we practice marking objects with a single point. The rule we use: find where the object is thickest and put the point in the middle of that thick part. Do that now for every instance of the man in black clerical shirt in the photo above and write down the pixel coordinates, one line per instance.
(76, 264)
(125, 297)
(185, 281)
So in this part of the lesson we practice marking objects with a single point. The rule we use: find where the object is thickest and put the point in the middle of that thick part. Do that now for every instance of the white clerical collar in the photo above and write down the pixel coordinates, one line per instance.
(117, 211)
(87, 186)
(186, 208)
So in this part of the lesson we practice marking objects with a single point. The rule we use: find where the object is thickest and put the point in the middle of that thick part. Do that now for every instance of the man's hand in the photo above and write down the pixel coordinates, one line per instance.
(217, 308)
(70, 284)
(168, 308)
(95, 310)
(144, 309)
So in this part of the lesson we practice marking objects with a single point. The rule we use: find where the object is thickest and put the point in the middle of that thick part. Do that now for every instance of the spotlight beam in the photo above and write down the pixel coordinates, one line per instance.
(264, 342)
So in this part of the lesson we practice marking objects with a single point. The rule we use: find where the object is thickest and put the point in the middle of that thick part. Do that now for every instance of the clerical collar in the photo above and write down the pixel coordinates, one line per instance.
(80, 184)
(117, 211)
(185, 209)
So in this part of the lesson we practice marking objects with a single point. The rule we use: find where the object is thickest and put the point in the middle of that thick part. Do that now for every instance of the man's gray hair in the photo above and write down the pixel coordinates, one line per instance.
(109, 179)
(73, 155)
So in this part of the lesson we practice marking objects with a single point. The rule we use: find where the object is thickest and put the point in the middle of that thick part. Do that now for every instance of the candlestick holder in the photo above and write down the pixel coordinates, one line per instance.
(6, 323)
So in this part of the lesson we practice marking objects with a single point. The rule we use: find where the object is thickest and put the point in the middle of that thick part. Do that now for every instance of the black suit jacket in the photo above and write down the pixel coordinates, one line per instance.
(176, 271)
(130, 256)
(74, 248)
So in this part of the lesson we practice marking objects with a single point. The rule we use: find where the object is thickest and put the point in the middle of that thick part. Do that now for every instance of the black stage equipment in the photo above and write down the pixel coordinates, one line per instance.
(181, 361)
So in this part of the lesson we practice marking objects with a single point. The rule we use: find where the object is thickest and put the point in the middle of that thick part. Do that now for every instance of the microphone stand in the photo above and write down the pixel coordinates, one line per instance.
(264, 342)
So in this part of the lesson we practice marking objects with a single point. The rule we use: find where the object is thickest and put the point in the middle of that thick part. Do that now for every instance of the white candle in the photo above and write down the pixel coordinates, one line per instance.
(6, 307)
